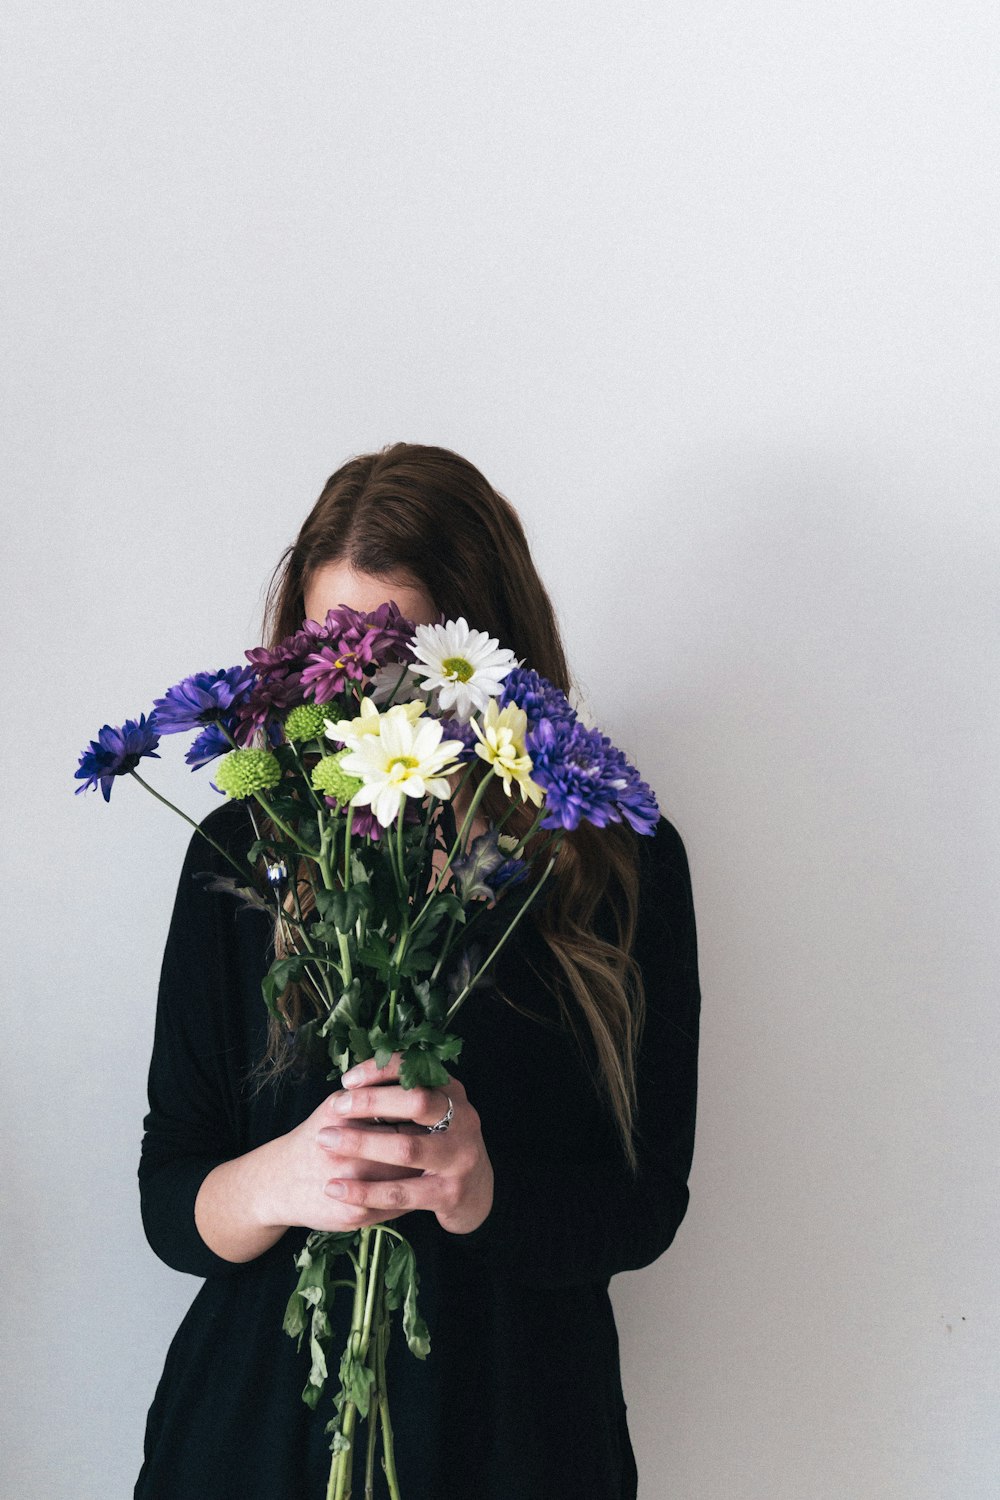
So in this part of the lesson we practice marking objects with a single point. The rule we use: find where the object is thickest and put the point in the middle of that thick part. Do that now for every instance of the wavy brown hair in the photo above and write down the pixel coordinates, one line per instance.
(424, 515)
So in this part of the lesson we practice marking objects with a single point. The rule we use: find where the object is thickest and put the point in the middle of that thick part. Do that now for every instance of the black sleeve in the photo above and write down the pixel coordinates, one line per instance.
(194, 1119)
(559, 1223)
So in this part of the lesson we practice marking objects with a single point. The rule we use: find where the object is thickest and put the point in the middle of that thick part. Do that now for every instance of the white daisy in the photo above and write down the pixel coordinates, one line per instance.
(403, 759)
(466, 667)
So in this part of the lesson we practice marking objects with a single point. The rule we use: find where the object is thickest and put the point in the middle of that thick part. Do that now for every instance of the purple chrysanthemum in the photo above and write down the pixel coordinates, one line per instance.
(586, 778)
(360, 642)
(305, 664)
(538, 697)
(115, 752)
(365, 825)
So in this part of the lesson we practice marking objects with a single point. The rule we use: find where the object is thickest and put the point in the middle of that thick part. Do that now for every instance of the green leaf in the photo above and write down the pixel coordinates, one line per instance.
(320, 1330)
(361, 1048)
(343, 908)
(278, 977)
(356, 1380)
(295, 1317)
(430, 998)
(348, 1007)
(415, 1329)
(394, 1272)
(376, 953)
(416, 959)
(421, 1070)
(401, 1284)
(383, 1044)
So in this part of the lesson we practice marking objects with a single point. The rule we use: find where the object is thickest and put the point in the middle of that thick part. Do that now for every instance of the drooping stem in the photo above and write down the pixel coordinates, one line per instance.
(242, 870)
(485, 965)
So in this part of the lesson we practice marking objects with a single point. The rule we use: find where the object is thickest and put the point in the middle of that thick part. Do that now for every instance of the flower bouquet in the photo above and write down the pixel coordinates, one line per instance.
(368, 750)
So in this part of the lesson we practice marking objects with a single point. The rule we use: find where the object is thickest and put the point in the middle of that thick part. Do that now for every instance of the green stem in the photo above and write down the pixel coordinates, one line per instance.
(347, 848)
(243, 870)
(400, 869)
(445, 946)
(366, 1328)
(480, 793)
(388, 1452)
(523, 840)
(339, 1487)
(317, 799)
(373, 1310)
(397, 959)
(370, 1455)
(288, 832)
(429, 810)
(304, 934)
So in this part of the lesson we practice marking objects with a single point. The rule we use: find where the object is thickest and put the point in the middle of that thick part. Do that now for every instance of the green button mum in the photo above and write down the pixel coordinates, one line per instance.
(328, 777)
(308, 720)
(243, 772)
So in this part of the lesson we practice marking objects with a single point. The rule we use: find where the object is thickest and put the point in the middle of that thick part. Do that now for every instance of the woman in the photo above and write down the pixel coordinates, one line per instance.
(573, 1103)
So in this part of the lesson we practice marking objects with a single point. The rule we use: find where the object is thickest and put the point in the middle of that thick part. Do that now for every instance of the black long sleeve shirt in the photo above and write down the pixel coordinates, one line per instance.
(520, 1397)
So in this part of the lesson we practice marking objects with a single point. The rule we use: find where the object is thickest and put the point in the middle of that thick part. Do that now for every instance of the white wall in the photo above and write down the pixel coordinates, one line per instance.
(710, 292)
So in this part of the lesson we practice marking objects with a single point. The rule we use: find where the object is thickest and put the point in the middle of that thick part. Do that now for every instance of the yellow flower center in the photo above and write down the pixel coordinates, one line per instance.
(458, 667)
(406, 761)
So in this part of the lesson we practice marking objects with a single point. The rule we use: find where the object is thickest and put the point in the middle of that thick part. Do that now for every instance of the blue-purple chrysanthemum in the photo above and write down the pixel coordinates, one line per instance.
(209, 701)
(115, 752)
(203, 698)
(586, 778)
(538, 697)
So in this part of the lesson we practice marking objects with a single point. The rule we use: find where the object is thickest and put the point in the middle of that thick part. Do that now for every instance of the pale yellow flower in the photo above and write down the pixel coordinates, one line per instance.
(501, 739)
(351, 731)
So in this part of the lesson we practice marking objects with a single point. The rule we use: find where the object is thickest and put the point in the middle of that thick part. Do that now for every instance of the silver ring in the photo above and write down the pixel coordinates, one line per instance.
(444, 1121)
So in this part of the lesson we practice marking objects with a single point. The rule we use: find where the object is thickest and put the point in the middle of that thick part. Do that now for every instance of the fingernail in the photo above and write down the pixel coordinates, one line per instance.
(341, 1103)
(348, 1078)
(335, 1190)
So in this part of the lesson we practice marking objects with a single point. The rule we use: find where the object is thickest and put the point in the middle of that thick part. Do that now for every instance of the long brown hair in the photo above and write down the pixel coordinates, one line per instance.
(410, 511)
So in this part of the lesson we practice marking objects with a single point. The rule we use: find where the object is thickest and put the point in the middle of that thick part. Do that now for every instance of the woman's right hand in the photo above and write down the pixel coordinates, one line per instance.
(304, 1167)
(244, 1206)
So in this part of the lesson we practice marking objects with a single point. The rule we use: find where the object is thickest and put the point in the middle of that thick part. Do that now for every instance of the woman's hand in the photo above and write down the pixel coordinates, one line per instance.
(448, 1172)
(341, 1170)
(244, 1206)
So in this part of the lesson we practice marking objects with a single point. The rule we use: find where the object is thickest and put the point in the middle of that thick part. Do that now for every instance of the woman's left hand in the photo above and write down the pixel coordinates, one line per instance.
(456, 1181)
